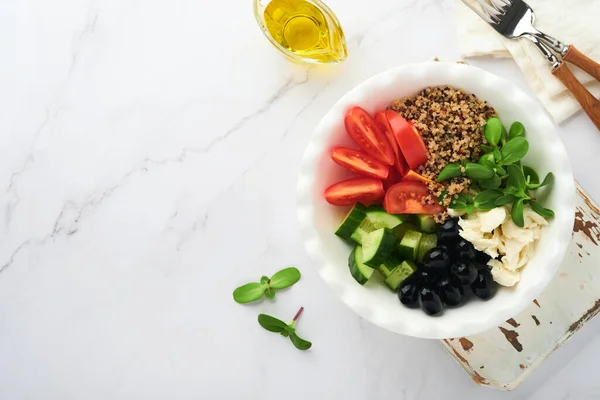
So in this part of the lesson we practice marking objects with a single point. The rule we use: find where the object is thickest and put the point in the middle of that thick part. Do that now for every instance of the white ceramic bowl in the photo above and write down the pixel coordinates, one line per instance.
(318, 220)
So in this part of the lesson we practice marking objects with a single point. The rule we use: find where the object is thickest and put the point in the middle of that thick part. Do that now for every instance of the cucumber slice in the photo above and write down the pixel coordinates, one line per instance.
(428, 242)
(399, 274)
(352, 221)
(376, 218)
(378, 246)
(388, 266)
(425, 223)
(359, 270)
(409, 246)
(402, 229)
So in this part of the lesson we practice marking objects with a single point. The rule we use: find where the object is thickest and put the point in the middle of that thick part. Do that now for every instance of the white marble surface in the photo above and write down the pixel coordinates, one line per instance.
(148, 157)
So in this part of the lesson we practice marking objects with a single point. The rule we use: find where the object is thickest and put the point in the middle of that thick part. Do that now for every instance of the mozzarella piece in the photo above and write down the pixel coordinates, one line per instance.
(492, 219)
(504, 276)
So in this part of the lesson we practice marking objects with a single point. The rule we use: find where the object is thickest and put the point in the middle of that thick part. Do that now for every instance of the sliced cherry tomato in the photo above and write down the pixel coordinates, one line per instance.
(384, 126)
(393, 178)
(359, 162)
(408, 198)
(412, 176)
(355, 190)
(362, 128)
(408, 139)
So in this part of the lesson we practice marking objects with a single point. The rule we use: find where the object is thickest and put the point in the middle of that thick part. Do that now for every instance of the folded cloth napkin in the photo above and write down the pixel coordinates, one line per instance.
(571, 21)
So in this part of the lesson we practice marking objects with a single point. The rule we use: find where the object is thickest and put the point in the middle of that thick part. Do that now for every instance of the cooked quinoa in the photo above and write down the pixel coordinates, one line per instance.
(449, 121)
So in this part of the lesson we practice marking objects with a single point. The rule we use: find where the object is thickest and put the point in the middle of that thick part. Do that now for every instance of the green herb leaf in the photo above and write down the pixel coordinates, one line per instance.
(269, 293)
(285, 278)
(497, 155)
(487, 149)
(478, 171)
(487, 159)
(492, 131)
(516, 129)
(505, 199)
(493, 183)
(264, 279)
(500, 171)
(442, 196)
(300, 343)
(470, 209)
(249, 292)
(531, 177)
(285, 333)
(449, 171)
(516, 179)
(517, 213)
(544, 212)
(514, 150)
(271, 324)
(548, 180)
(485, 200)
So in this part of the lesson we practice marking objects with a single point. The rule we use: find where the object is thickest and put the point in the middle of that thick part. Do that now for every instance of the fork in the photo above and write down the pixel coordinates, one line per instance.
(514, 19)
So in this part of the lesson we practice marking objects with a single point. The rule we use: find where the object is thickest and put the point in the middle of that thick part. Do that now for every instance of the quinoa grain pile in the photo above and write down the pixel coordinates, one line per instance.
(449, 121)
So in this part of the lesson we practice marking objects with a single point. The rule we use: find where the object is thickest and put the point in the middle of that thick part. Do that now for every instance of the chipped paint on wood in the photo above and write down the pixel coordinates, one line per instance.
(490, 357)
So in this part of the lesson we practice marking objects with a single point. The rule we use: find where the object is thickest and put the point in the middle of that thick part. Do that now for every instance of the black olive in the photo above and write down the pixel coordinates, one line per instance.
(482, 257)
(436, 260)
(448, 232)
(479, 265)
(450, 290)
(465, 271)
(430, 301)
(409, 293)
(464, 250)
(484, 286)
(424, 277)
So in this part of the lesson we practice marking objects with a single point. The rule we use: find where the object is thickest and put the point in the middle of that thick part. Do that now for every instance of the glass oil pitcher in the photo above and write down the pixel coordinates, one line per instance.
(303, 30)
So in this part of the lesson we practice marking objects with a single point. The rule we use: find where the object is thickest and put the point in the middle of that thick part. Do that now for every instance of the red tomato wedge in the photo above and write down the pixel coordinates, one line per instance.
(408, 139)
(412, 176)
(355, 190)
(384, 126)
(360, 163)
(364, 131)
(407, 198)
(393, 178)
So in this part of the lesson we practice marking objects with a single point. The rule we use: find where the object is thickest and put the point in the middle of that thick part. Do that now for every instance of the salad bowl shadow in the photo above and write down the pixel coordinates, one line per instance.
(318, 220)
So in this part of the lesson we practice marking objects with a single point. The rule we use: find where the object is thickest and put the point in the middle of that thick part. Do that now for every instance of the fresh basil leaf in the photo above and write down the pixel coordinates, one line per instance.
(516, 129)
(285, 278)
(505, 199)
(516, 179)
(487, 159)
(300, 343)
(544, 212)
(271, 324)
(249, 292)
(478, 171)
(531, 177)
(470, 208)
(270, 293)
(548, 180)
(487, 149)
(492, 131)
(493, 183)
(264, 279)
(517, 213)
(514, 150)
(449, 171)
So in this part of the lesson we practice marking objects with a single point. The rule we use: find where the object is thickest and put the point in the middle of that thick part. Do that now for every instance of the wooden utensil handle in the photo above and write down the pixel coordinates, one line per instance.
(576, 57)
(590, 104)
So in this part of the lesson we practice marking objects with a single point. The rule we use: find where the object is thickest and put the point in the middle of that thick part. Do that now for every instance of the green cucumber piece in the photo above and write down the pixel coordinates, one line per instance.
(389, 265)
(376, 218)
(428, 242)
(409, 245)
(399, 274)
(402, 229)
(352, 221)
(359, 270)
(425, 223)
(378, 246)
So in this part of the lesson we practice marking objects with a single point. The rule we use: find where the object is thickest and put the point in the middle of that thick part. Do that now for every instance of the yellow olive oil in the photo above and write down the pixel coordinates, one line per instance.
(304, 30)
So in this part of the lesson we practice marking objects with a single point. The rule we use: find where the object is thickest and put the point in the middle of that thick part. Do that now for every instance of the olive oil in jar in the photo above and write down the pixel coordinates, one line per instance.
(304, 30)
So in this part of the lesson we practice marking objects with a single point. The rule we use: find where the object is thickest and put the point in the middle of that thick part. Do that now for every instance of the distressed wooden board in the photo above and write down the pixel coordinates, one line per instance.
(504, 357)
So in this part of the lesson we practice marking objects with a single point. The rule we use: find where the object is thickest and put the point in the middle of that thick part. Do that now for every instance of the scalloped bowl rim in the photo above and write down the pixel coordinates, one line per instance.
(318, 220)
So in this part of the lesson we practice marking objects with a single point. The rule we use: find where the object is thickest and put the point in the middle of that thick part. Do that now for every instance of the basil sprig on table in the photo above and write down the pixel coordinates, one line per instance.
(499, 174)
(273, 324)
(266, 287)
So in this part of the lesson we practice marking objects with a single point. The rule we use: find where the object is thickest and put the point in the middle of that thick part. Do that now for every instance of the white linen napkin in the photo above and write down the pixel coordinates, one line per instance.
(571, 21)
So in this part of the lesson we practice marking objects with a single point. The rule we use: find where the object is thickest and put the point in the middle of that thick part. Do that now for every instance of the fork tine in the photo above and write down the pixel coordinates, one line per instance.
(483, 16)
